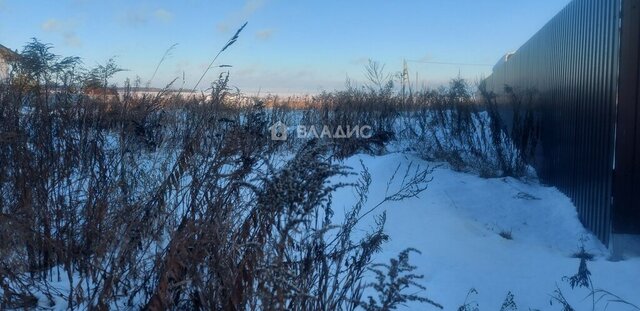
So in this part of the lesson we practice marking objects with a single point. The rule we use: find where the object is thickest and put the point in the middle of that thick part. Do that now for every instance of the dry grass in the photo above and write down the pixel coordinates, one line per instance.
(168, 201)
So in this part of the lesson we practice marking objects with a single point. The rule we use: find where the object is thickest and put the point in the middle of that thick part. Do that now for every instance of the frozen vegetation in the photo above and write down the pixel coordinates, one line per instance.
(165, 201)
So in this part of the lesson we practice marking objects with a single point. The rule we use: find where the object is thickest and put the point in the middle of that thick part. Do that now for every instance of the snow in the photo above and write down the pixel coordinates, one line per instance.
(456, 223)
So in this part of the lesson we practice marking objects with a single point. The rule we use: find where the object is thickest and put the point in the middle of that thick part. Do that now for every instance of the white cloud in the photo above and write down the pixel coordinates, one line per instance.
(71, 39)
(237, 18)
(222, 27)
(265, 34)
(51, 25)
(65, 29)
(163, 15)
(250, 6)
(134, 18)
(141, 17)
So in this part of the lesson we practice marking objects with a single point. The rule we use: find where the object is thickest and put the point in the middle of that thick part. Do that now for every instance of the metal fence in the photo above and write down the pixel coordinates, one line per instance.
(626, 198)
(572, 67)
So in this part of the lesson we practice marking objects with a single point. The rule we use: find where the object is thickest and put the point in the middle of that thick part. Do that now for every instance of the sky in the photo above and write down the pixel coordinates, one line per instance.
(288, 46)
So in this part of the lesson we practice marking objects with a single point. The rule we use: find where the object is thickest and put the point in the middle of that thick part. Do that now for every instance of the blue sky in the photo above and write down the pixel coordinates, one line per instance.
(288, 46)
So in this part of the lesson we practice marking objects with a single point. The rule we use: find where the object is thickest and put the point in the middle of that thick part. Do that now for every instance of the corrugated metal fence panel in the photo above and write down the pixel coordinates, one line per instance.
(627, 177)
(571, 66)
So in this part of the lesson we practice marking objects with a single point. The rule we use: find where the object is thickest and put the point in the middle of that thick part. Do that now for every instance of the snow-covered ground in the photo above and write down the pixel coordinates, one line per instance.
(456, 223)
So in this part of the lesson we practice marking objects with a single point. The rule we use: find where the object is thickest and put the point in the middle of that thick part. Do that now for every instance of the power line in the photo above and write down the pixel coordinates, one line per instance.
(449, 63)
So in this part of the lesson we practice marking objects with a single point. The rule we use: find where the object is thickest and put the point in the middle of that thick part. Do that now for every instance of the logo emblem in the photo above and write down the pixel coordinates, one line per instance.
(279, 131)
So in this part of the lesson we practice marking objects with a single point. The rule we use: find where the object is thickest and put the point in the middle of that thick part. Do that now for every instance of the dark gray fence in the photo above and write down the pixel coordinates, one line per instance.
(571, 66)
(626, 199)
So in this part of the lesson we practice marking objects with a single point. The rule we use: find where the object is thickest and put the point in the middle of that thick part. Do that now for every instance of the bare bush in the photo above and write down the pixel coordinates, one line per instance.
(168, 201)
(467, 131)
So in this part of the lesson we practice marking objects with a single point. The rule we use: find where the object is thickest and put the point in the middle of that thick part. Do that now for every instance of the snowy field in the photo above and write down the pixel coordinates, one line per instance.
(456, 224)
